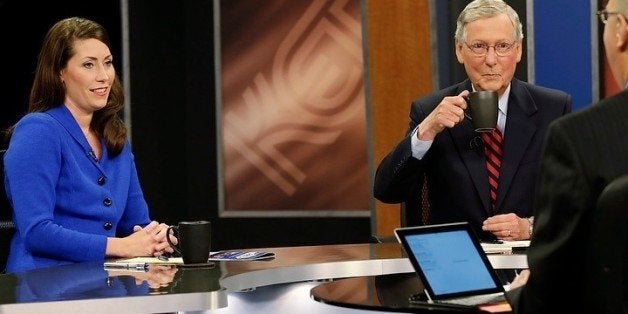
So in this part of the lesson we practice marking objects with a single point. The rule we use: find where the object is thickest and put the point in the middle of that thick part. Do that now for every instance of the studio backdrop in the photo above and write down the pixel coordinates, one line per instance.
(290, 108)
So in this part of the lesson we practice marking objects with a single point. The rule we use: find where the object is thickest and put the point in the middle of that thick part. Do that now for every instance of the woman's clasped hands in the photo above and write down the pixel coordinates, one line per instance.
(153, 239)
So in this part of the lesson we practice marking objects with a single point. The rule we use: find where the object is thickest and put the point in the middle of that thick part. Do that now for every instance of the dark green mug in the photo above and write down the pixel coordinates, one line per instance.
(483, 106)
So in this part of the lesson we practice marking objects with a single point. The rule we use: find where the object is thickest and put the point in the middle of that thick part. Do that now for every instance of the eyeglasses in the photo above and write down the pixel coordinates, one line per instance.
(501, 49)
(603, 15)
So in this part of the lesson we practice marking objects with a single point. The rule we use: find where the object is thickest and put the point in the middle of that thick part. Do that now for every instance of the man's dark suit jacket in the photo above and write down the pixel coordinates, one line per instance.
(584, 151)
(455, 165)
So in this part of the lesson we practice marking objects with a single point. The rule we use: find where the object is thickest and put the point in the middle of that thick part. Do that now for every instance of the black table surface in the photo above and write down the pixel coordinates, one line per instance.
(389, 293)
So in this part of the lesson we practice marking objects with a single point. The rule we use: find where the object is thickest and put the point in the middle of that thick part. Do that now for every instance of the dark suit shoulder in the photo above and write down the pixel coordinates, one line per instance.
(543, 98)
(608, 110)
(542, 91)
(549, 103)
(597, 134)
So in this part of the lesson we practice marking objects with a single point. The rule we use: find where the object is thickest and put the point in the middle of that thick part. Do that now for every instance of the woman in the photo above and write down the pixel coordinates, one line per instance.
(69, 170)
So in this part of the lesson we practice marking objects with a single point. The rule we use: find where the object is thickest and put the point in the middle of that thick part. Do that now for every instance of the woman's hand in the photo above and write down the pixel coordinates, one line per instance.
(147, 241)
(159, 232)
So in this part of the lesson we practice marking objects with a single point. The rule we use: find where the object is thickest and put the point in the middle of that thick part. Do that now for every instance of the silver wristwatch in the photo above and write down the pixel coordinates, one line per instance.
(531, 222)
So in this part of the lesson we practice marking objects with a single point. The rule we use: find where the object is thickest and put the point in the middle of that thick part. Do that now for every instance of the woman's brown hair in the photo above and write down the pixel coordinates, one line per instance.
(48, 91)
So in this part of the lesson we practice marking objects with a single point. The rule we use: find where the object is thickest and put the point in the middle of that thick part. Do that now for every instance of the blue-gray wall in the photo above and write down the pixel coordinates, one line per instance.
(565, 48)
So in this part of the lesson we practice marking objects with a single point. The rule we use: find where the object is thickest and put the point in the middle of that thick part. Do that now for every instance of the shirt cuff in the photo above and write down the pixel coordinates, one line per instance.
(419, 148)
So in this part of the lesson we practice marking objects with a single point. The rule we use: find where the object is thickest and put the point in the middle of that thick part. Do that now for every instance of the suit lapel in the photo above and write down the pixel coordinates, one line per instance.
(521, 126)
(67, 121)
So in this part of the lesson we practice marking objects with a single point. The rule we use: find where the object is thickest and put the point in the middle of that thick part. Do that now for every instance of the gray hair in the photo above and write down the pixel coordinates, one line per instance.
(481, 9)
(622, 7)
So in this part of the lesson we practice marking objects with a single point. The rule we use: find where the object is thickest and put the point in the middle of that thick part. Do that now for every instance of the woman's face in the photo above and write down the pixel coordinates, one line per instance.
(88, 76)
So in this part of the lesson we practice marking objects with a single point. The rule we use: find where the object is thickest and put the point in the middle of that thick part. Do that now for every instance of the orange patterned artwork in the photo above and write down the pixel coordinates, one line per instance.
(291, 109)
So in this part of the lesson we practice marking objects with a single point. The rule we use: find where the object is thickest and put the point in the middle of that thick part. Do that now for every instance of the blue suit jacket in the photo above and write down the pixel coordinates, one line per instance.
(65, 202)
(455, 168)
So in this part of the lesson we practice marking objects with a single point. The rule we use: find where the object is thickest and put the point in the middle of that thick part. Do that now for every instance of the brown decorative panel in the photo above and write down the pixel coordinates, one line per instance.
(400, 70)
(292, 109)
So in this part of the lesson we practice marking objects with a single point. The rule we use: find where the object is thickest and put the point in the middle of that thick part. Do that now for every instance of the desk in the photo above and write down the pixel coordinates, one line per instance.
(86, 287)
(381, 293)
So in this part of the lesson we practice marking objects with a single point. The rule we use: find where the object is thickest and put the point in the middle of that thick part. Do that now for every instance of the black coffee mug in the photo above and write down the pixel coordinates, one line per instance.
(484, 107)
(194, 241)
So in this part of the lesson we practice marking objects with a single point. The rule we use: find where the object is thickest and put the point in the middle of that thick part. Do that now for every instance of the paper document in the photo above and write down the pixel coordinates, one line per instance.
(504, 246)
(143, 262)
(135, 262)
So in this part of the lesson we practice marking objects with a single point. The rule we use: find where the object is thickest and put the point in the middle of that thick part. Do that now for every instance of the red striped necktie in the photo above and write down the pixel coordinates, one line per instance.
(493, 143)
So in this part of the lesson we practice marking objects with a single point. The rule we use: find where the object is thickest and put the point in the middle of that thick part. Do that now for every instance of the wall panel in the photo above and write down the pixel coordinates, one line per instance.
(399, 70)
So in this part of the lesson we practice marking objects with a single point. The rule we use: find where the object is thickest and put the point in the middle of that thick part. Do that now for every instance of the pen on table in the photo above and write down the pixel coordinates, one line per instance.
(136, 266)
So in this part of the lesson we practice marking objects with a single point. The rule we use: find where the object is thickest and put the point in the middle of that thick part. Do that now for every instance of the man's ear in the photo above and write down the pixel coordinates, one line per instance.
(622, 33)
(459, 55)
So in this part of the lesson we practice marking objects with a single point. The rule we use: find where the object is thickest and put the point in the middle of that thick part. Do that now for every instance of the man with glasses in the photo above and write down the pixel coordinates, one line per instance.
(584, 152)
(443, 150)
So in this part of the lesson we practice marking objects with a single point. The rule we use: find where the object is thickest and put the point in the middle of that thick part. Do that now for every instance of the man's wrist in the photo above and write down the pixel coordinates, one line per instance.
(424, 135)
